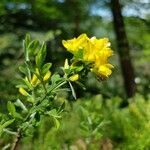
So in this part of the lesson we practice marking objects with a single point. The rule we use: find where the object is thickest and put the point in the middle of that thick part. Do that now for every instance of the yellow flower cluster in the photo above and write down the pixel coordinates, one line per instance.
(96, 51)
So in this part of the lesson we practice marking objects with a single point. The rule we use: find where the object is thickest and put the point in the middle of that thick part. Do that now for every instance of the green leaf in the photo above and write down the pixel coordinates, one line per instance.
(21, 105)
(29, 65)
(67, 71)
(57, 123)
(55, 78)
(41, 56)
(54, 113)
(11, 108)
(78, 68)
(72, 90)
(61, 90)
(46, 67)
(84, 127)
(23, 69)
(27, 39)
(54, 87)
(30, 99)
(33, 47)
(7, 123)
(4, 125)
(24, 83)
(27, 83)
(25, 45)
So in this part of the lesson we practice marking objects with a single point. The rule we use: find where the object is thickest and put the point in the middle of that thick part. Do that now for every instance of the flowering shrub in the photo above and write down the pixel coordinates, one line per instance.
(39, 86)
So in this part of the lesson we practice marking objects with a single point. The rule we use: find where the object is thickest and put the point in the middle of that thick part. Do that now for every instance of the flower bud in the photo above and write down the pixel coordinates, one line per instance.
(74, 77)
(23, 91)
(34, 80)
(47, 76)
(66, 65)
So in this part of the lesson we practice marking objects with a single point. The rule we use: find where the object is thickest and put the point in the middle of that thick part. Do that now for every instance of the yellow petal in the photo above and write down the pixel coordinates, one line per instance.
(73, 45)
(104, 71)
(110, 66)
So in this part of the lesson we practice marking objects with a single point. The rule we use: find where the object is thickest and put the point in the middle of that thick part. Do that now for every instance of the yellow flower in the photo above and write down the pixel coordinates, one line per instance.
(100, 43)
(75, 44)
(96, 48)
(96, 51)
(23, 91)
(74, 77)
(47, 76)
(101, 66)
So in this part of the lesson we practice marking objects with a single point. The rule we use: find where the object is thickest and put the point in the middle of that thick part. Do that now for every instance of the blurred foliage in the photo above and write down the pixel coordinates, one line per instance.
(129, 128)
(96, 123)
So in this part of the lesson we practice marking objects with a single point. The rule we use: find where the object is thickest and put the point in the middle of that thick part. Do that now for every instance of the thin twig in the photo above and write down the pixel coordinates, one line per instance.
(16, 141)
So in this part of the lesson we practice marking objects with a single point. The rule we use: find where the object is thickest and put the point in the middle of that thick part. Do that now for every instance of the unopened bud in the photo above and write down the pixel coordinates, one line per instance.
(34, 80)
(23, 91)
(74, 77)
(47, 76)
(66, 65)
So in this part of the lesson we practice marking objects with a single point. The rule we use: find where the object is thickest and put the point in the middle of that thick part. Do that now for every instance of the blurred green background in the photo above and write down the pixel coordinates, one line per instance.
(54, 20)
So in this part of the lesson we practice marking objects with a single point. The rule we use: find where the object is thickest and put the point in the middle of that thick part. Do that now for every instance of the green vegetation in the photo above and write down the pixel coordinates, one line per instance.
(97, 122)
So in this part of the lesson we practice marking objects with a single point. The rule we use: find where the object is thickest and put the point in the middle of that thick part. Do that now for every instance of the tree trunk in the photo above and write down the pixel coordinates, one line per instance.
(123, 48)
